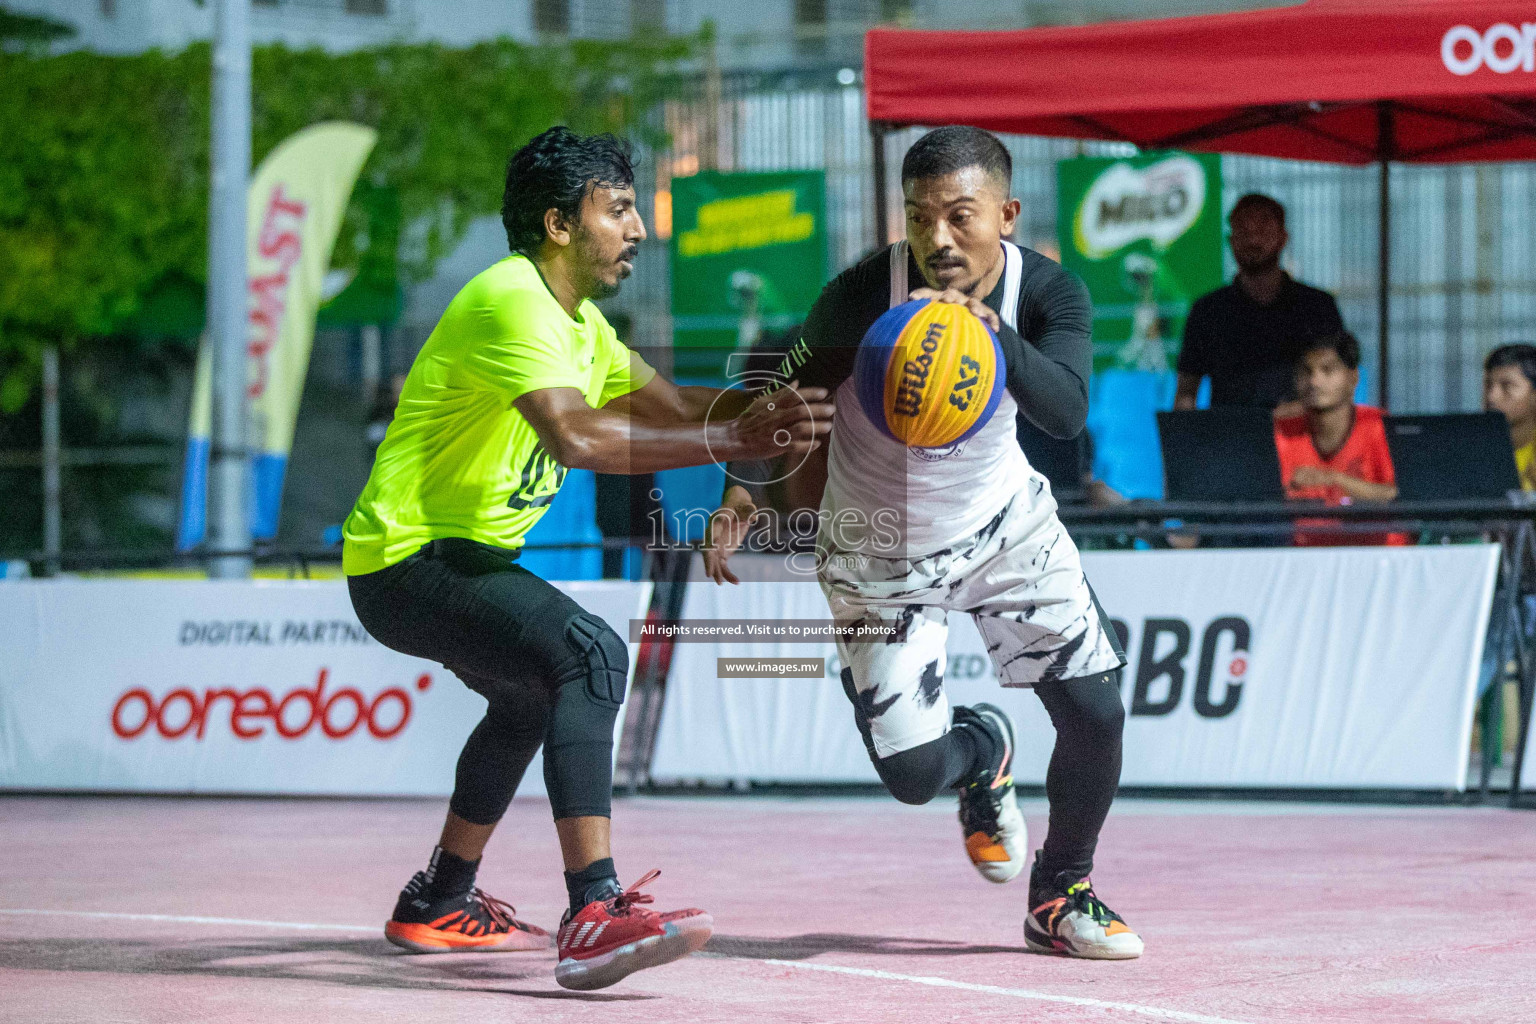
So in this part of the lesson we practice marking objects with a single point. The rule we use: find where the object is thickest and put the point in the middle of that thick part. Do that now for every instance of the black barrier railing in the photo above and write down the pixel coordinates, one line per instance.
(1149, 519)
(299, 558)
(1161, 517)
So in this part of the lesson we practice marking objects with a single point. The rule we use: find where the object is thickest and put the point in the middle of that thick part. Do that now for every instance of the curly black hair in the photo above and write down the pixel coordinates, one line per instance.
(558, 169)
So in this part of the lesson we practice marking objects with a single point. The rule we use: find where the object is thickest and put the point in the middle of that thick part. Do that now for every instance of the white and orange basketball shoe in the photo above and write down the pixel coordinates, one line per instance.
(996, 839)
(1067, 917)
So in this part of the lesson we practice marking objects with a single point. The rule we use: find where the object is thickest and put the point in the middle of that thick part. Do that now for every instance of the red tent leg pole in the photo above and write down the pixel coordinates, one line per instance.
(1386, 144)
(882, 213)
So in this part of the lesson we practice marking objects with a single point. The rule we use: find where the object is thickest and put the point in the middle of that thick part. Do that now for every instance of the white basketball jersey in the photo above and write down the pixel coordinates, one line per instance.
(924, 499)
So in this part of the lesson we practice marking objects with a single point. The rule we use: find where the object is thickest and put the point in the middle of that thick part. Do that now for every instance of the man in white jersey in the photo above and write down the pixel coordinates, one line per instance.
(908, 535)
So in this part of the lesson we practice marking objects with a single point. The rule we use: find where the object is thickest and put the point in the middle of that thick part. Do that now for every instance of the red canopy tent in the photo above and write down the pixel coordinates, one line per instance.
(1342, 81)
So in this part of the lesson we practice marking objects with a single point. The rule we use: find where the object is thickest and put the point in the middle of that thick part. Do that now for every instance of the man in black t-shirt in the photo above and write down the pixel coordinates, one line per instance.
(1248, 335)
(908, 535)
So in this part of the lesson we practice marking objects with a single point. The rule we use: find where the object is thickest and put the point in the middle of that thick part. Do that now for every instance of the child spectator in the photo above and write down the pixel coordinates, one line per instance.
(1509, 387)
(1335, 451)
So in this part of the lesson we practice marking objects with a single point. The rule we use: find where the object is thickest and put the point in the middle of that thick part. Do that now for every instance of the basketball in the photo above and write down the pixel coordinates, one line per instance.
(927, 373)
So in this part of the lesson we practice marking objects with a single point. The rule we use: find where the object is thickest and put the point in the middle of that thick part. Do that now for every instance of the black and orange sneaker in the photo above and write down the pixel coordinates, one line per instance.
(1067, 917)
(996, 839)
(612, 938)
(471, 922)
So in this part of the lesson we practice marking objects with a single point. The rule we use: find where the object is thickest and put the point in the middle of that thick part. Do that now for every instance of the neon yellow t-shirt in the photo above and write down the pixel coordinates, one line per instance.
(458, 459)
(1524, 456)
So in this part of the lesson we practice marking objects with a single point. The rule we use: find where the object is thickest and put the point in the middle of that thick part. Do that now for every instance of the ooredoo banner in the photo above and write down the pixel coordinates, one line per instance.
(231, 687)
(1339, 668)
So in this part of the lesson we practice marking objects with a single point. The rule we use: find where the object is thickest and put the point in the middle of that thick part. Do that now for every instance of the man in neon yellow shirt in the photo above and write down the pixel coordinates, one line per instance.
(522, 380)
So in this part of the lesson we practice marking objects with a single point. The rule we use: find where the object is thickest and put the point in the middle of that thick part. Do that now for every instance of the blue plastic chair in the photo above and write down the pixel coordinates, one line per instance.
(688, 496)
(1122, 414)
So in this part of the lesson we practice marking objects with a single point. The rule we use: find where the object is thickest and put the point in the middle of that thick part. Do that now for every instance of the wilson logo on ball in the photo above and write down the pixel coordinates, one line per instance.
(927, 374)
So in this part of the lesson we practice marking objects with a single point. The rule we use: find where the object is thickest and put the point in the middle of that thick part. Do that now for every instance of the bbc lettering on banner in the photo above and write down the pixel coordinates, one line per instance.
(212, 687)
(1341, 668)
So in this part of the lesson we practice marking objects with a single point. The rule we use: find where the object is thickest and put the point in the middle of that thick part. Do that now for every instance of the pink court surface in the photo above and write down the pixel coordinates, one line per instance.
(839, 909)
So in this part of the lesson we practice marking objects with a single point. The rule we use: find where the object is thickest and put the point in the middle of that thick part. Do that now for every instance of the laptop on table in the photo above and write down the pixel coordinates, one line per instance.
(1220, 455)
(1460, 455)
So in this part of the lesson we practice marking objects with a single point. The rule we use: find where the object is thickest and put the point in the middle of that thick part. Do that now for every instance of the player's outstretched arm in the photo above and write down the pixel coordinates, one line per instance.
(785, 422)
(661, 402)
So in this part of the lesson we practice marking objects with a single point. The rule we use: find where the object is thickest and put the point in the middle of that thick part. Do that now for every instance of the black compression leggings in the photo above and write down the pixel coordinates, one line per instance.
(1085, 767)
(917, 775)
(551, 673)
(1080, 783)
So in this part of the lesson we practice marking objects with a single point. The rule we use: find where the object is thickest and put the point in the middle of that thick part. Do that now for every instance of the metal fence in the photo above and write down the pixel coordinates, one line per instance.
(1463, 258)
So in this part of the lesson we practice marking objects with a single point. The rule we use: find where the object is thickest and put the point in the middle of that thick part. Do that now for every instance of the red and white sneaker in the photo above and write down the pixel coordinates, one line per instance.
(613, 938)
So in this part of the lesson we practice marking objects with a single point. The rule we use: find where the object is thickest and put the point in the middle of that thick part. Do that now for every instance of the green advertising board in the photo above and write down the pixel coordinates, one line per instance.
(749, 256)
(1144, 233)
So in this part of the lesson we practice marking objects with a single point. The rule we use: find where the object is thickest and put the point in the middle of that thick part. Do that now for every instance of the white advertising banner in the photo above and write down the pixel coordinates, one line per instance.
(231, 687)
(1341, 668)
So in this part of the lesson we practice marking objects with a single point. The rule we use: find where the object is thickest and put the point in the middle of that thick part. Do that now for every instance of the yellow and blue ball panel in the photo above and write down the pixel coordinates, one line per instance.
(929, 374)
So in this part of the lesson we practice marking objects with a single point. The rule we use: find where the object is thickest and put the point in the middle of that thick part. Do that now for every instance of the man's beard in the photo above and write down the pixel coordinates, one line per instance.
(600, 288)
(1263, 266)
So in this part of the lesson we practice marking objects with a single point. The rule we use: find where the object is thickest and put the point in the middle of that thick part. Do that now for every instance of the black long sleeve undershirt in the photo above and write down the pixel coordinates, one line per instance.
(1048, 374)
(1049, 359)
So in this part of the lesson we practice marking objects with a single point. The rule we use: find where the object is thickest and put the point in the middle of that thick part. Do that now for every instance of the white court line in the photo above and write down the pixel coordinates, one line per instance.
(800, 965)
(996, 990)
(180, 919)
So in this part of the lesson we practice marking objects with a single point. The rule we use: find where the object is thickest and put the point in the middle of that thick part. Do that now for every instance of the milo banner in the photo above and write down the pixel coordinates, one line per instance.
(293, 211)
(749, 257)
(1144, 233)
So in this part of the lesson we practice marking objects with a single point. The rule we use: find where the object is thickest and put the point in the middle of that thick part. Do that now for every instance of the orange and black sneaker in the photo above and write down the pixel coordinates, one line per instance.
(996, 839)
(1070, 919)
(470, 922)
(612, 938)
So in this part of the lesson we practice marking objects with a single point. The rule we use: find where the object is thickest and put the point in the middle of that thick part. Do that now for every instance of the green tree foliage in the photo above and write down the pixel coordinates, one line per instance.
(23, 31)
(104, 162)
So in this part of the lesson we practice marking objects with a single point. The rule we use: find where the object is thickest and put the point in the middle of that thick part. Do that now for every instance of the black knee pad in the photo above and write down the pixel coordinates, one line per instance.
(603, 656)
(578, 746)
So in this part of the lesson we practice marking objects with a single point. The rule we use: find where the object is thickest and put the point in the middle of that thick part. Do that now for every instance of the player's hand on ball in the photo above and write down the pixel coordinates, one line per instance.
(979, 309)
(727, 529)
(789, 421)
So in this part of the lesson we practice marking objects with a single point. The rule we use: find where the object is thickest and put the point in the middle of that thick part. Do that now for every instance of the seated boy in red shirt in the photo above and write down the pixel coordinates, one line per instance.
(1336, 451)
